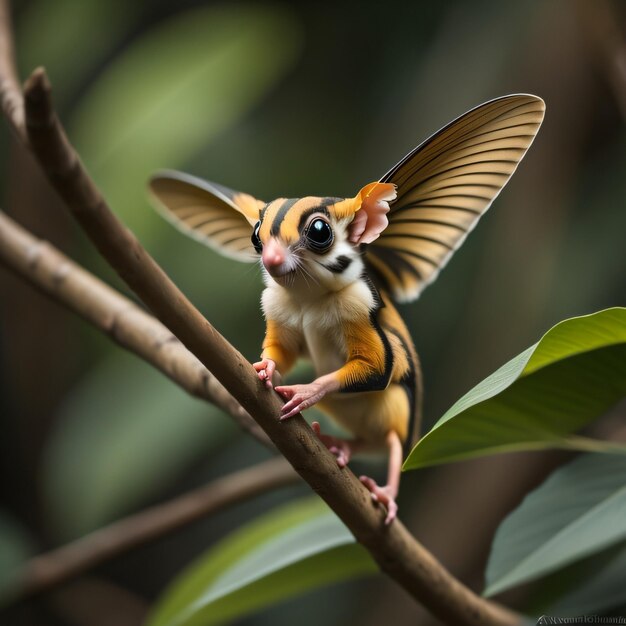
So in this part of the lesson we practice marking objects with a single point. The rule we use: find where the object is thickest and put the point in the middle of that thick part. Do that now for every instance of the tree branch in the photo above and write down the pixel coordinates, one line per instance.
(53, 568)
(395, 550)
(51, 272)
(393, 547)
(11, 98)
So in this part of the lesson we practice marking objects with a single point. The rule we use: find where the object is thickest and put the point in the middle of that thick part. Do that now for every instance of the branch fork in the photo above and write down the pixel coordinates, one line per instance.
(37, 126)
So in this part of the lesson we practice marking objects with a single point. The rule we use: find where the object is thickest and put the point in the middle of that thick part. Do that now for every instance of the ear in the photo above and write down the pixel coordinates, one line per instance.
(371, 206)
(214, 215)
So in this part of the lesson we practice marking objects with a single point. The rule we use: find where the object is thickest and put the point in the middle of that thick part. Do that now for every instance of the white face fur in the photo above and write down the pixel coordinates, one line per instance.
(322, 259)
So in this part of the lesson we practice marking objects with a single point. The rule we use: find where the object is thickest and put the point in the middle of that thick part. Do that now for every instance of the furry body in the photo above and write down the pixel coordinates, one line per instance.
(332, 267)
(321, 322)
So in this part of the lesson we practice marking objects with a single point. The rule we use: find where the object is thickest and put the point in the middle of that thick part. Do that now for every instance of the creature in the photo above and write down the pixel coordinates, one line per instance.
(333, 267)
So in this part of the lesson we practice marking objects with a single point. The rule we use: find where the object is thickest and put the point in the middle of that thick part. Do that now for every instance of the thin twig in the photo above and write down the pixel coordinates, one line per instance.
(11, 98)
(53, 568)
(50, 271)
(395, 550)
(393, 547)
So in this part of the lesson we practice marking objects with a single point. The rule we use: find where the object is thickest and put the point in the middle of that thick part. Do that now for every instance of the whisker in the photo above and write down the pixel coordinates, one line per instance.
(300, 270)
(252, 268)
(304, 272)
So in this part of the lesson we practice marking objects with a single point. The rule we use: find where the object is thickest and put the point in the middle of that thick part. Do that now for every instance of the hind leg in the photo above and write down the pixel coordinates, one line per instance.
(343, 449)
(387, 494)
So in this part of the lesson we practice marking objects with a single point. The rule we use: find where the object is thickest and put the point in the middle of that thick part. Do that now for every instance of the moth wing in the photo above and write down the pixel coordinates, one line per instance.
(445, 185)
(210, 213)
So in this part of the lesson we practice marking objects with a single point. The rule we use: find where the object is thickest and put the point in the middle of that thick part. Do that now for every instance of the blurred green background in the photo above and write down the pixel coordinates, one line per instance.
(280, 99)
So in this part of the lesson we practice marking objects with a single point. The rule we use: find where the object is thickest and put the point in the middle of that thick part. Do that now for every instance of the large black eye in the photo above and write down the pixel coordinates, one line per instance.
(319, 235)
(255, 239)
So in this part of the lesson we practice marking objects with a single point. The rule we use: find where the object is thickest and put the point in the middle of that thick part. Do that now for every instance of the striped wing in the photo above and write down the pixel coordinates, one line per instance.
(213, 214)
(445, 185)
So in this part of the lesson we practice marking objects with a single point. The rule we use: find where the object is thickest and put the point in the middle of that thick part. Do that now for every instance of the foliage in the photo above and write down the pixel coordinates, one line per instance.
(114, 455)
(569, 378)
(288, 101)
(286, 552)
(576, 513)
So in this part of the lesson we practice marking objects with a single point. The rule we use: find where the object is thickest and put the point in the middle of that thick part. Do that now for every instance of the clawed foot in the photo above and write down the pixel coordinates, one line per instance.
(339, 447)
(383, 495)
(299, 398)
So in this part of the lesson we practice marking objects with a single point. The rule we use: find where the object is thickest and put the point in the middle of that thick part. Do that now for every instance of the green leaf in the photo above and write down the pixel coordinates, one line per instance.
(537, 400)
(601, 589)
(578, 511)
(172, 91)
(112, 450)
(294, 549)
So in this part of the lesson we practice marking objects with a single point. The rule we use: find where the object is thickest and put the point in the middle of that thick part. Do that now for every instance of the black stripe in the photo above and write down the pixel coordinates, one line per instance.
(280, 215)
(221, 231)
(478, 162)
(208, 220)
(380, 380)
(423, 237)
(418, 205)
(466, 144)
(457, 138)
(233, 223)
(447, 185)
(305, 216)
(340, 265)
(240, 238)
(447, 196)
(417, 255)
(457, 132)
(188, 211)
(418, 220)
(468, 141)
(394, 262)
(378, 301)
(452, 132)
(409, 382)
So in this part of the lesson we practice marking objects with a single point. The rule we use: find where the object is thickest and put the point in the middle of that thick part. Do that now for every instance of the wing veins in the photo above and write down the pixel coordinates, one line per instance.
(425, 238)
(418, 205)
(423, 164)
(418, 220)
(451, 169)
(459, 134)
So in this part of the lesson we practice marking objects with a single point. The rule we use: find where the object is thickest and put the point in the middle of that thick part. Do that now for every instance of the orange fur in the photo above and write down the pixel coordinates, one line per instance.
(281, 345)
(366, 353)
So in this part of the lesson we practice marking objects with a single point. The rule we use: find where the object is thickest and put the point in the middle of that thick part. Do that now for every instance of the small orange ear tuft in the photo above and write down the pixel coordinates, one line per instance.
(371, 206)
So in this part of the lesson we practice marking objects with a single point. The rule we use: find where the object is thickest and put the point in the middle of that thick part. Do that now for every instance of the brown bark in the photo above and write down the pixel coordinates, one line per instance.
(51, 272)
(393, 547)
(49, 570)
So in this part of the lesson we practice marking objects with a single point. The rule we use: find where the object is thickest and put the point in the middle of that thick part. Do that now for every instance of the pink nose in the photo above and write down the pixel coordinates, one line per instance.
(274, 254)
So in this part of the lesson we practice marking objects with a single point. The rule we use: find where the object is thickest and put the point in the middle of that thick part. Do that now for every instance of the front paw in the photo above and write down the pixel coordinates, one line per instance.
(265, 369)
(299, 398)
